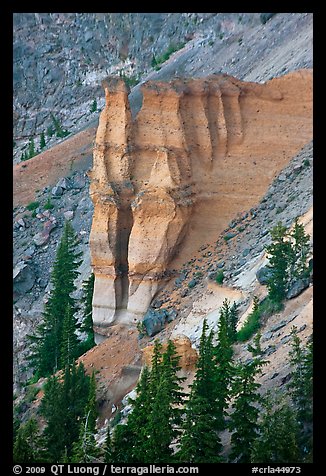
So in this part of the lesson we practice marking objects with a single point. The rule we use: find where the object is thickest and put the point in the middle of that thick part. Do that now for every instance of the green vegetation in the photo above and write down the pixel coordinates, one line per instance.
(306, 163)
(58, 129)
(58, 318)
(219, 277)
(48, 205)
(32, 206)
(158, 60)
(93, 107)
(87, 323)
(42, 141)
(288, 255)
(252, 323)
(244, 418)
(277, 441)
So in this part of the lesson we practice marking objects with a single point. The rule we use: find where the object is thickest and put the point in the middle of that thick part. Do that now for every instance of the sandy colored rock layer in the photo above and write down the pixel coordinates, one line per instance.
(198, 152)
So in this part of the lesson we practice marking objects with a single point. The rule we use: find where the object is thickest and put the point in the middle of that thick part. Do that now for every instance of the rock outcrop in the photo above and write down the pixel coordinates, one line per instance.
(188, 355)
(163, 183)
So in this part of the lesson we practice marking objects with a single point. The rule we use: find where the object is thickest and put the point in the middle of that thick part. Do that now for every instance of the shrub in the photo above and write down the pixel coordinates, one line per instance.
(49, 205)
(32, 206)
(306, 163)
(219, 277)
(268, 307)
(251, 326)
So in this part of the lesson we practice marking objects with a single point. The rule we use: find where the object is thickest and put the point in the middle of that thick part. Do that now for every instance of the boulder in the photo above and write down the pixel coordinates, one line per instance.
(296, 288)
(64, 183)
(23, 277)
(69, 215)
(264, 274)
(57, 191)
(154, 321)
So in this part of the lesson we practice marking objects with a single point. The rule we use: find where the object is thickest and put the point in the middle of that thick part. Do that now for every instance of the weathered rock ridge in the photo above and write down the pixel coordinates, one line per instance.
(198, 152)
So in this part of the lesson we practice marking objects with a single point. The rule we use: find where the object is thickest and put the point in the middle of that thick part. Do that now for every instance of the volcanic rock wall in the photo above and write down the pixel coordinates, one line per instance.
(198, 152)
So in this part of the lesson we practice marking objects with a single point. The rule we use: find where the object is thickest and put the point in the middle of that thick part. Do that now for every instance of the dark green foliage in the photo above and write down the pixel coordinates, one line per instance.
(251, 325)
(28, 446)
(200, 441)
(298, 266)
(289, 253)
(32, 206)
(220, 277)
(85, 449)
(280, 252)
(63, 407)
(301, 384)
(165, 416)
(158, 60)
(47, 340)
(69, 341)
(93, 107)
(42, 141)
(50, 131)
(278, 437)
(48, 205)
(268, 307)
(224, 357)
(59, 131)
(31, 148)
(87, 324)
(244, 419)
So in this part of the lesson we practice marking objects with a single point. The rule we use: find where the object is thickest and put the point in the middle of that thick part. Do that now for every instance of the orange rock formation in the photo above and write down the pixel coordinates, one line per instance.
(198, 152)
(188, 355)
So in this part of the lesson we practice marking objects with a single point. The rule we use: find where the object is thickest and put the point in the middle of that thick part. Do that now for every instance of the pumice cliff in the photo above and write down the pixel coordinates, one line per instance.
(170, 179)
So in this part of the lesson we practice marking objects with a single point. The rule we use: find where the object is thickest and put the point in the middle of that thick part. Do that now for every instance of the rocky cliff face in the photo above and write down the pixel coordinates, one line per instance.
(198, 151)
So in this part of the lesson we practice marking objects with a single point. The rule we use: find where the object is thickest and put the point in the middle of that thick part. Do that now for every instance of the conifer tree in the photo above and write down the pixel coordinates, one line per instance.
(47, 341)
(233, 317)
(164, 417)
(121, 451)
(225, 369)
(87, 324)
(63, 407)
(299, 252)
(42, 141)
(280, 255)
(108, 450)
(200, 441)
(278, 437)
(138, 419)
(301, 384)
(31, 148)
(70, 342)
(29, 445)
(244, 418)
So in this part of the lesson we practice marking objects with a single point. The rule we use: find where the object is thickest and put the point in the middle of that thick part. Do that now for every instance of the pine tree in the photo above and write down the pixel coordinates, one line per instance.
(233, 317)
(47, 341)
(280, 255)
(87, 324)
(244, 418)
(164, 418)
(63, 407)
(224, 355)
(301, 384)
(69, 343)
(200, 441)
(28, 446)
(53, 409)
(108, 450)
(299, 253)
(31, 148)
(139, 418)
(278, 437)
(42, 141)
(93, 107)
